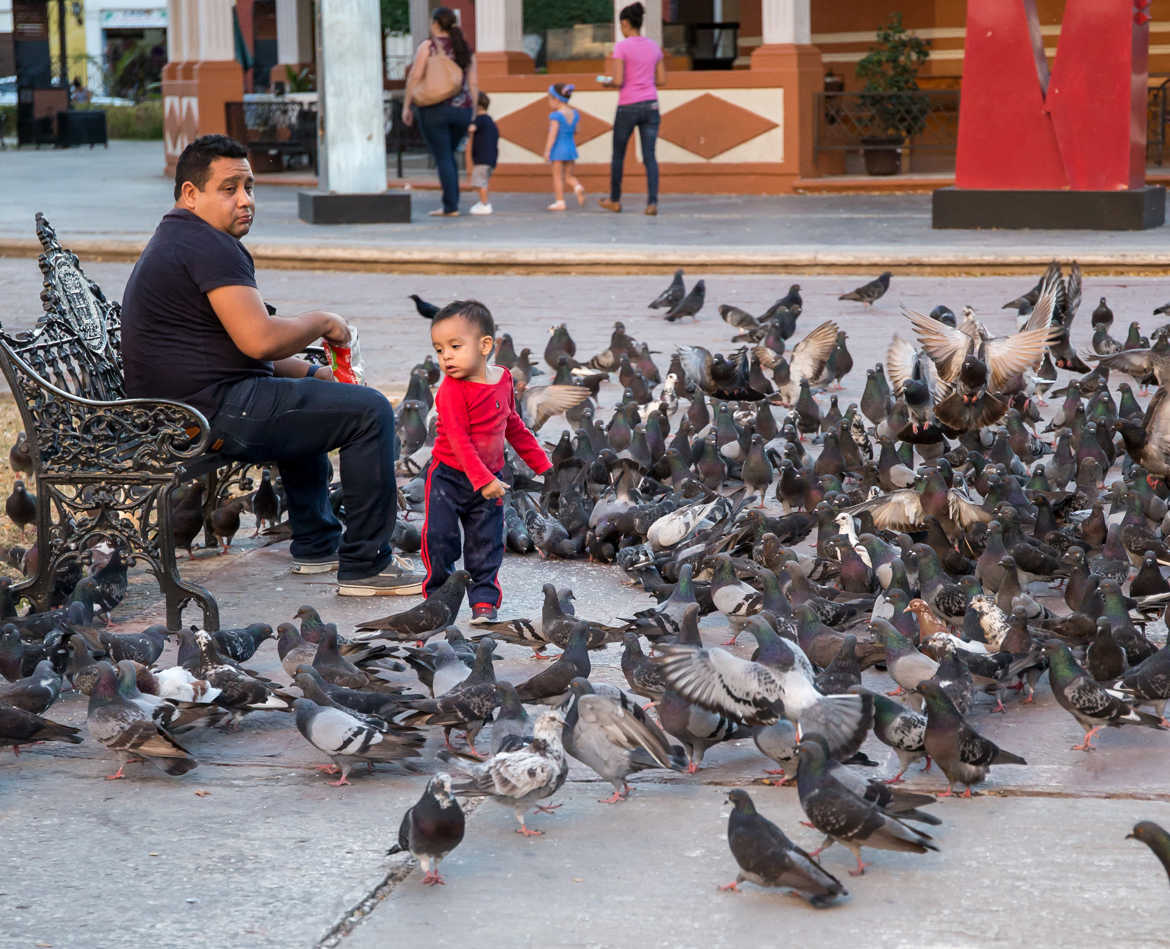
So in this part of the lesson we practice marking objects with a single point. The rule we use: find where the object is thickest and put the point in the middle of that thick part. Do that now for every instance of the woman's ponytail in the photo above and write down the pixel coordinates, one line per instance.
(445, 17)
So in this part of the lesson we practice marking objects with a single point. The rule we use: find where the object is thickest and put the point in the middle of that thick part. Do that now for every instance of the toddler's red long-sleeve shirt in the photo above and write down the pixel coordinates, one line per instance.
(475, 418)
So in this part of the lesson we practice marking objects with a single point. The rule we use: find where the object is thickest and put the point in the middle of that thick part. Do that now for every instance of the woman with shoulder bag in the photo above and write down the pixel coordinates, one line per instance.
(442, 84)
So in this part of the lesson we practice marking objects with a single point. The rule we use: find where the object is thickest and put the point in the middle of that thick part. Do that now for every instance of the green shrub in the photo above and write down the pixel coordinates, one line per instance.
(143, 121)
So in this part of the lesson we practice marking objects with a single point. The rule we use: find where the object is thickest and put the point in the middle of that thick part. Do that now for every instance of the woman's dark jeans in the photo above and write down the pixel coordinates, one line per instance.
(643, 116)
(443, 126)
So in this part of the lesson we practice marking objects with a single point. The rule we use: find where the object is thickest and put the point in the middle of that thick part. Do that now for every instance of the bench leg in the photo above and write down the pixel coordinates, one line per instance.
(178, 592)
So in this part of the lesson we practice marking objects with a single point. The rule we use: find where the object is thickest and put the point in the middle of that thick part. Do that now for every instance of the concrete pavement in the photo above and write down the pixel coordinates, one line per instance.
(272, 856)
(106, 202)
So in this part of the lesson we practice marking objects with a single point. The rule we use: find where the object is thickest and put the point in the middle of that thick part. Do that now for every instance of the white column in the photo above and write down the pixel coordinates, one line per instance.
(351, 136)
(787, 21)
(294, 31)
(216, 38)
(499, 26)
(175, 33)
(420, 22)
(651, 23)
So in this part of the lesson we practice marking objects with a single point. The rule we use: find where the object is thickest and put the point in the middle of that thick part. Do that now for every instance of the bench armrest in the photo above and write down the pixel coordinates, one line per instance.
(148, 437)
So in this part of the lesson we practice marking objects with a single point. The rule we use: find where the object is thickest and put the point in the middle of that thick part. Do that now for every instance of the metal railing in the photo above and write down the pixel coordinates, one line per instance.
(844, 119)
(289, 126)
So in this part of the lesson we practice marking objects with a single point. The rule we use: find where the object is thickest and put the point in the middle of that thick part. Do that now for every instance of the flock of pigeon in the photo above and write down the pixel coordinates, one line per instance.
(911, 542)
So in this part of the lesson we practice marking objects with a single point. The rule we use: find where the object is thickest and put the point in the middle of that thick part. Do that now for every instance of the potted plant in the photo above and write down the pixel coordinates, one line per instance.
(894, 111)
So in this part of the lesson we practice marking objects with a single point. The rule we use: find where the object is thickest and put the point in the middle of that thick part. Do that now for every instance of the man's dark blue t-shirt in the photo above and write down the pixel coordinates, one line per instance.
(485, 145)
(173, 344)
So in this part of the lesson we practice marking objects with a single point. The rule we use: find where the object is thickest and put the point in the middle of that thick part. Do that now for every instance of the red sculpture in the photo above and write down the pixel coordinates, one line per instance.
(1082, 128)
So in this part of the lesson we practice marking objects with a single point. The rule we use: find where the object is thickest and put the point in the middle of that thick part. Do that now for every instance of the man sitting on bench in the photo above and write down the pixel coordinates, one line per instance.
(195, 329)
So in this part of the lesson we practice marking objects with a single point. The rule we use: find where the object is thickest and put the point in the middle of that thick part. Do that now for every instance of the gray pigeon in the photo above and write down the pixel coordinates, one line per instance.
(520, 778)
(615, 739)
(869, 293)
(129, 730)
(33, 693)
(18, 727)
(343, 738)
(902, 729)
(961, 752)
(672, 295)
(512, 726)
(696, 727)
(844, 817)
(767, 857)
(431, 828)
(691, 304)
(1090, 704)
(762, 694)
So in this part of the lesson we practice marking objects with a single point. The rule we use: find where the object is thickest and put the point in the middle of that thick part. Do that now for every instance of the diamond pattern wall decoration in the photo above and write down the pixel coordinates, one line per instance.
(710, 125)
(528, 127)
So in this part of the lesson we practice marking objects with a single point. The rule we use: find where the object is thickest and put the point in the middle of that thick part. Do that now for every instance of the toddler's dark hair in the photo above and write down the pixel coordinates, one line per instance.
(473, 311)
(564, 89)
(483, 101)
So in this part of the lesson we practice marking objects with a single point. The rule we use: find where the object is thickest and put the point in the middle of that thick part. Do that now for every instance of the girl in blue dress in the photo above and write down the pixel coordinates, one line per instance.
(561, 148)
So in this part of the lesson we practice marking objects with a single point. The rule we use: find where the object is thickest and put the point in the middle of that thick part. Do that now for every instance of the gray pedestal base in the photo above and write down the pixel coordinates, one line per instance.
(1133, 210)
(386, 207)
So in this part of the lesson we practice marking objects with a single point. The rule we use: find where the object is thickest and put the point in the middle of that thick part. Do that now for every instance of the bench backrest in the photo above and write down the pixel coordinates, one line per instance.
(76, 344)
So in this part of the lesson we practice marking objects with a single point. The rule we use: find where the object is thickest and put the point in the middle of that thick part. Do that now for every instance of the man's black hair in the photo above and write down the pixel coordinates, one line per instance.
(473, 311)
(195, 162)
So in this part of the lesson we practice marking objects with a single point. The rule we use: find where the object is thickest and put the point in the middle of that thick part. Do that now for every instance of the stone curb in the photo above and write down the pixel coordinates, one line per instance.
(631, 258)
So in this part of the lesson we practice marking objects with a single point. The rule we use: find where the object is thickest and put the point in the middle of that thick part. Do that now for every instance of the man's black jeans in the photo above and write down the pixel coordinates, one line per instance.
(644, 117)
(295, 422)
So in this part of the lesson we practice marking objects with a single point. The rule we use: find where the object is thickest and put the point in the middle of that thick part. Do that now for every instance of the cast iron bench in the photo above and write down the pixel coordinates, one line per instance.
(105, 466)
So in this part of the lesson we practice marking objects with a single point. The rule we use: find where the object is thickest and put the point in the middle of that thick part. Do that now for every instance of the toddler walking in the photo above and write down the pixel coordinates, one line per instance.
(476, 414)
(482, 153)
(561, 147)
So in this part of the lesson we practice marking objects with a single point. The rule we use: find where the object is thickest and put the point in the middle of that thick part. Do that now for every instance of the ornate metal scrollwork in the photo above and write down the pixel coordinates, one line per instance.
(104, 465)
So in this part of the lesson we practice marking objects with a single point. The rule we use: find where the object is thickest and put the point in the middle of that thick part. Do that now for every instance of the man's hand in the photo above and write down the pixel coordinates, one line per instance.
(496, 489)
(337, 331)
(324, 373)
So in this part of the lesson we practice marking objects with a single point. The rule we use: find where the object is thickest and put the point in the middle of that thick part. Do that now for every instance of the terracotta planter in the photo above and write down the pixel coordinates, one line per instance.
(883, 156)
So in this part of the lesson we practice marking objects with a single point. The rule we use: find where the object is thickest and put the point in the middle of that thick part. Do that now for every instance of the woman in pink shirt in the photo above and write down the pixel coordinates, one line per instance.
(639, 70)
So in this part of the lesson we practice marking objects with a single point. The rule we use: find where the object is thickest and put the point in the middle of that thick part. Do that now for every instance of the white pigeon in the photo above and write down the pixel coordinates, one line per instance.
(520, 778)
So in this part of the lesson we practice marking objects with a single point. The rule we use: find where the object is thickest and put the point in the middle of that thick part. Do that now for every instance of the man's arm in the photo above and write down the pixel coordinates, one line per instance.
(293, 368)
(242, 313)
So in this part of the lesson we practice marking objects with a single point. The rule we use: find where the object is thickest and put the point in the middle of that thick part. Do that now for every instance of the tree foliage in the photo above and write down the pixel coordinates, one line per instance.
(395, 16)
(541, 15)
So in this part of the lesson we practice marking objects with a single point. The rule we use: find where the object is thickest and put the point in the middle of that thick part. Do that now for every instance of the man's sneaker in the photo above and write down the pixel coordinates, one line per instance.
(326, 563)
(482, 613)
(397, 578)
(480, 208)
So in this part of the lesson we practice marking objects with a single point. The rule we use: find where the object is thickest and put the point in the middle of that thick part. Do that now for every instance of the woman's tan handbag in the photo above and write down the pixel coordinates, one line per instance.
(441, 79)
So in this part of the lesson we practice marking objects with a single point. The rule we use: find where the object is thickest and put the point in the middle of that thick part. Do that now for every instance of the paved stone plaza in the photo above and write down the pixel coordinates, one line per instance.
(273, 857)
(112, 199)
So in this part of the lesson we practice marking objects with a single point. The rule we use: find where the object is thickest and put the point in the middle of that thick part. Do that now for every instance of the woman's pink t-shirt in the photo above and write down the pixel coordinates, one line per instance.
(640, 55)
